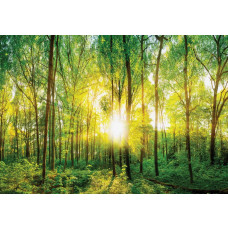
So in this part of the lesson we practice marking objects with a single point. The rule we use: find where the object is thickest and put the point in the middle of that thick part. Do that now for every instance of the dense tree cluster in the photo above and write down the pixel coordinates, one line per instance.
(114, 100)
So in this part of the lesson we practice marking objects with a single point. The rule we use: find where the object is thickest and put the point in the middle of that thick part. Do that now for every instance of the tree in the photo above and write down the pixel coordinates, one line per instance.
(214, 48)
(187, 89)
(128, 105)
(161, 40)
(143, 105)
(50, 81)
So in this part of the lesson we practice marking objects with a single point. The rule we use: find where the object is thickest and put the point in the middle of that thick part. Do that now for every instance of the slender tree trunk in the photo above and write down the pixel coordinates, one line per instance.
(174, 138)
(49, 139)
(156, 107)
(213, 124)
(16, 132)
(72, 149)
(120, 148)
(72, 141)
(187, 99)
(166, 145)
(87, 140)
(65, 163)
(128, 108)
(82, 136)
(221, 139)
(77, 140)
(37, 130)
(180, 141)
(27, 153)
(53, 134)
(50, 78)
(94, 137)
(60, 137)
(3, 145)
(143, 108)
(53, 113)
(112, 144)
(163, 148)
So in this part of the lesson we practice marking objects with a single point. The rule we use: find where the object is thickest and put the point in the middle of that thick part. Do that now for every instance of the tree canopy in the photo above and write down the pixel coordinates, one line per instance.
(141, 108)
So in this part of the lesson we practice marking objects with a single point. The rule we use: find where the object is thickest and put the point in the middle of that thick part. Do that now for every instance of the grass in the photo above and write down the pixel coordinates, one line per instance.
(25, 177)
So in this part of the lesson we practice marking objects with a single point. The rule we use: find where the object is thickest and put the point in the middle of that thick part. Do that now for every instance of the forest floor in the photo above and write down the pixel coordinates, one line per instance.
(25, 177)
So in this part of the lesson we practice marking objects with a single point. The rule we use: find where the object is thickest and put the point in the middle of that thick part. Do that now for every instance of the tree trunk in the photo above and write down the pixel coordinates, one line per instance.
(37, 130)
(60, 137)
(3, 145)
(87, 140)
(53, 113)
(120, 148)
(53, 134)
(77, 140)
(213, 124)
(128, 108)
(16, 132)
(50, 78)
(166, 145)
(112, 144)
(143, 108)
(72, 149)
(94, 137)
(187, 99)
(156, 107)
(82, 135)
(27, 153)
(72, 143)
(49, 140)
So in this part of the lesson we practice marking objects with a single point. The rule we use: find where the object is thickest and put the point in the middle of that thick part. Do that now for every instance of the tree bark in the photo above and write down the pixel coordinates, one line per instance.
(77, 140)
(49, 139)
(143, 107)
(112, 80)
(53, 113)
(60, 137)
(87, 136)
(128, 108)
(72, 149)
(16, 132)
(161, 38)
(187, 106)
(120, 148)
(213, 124)
(50, 78)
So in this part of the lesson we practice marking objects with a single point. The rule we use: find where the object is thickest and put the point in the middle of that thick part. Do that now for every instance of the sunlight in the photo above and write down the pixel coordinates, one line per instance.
(117, 128)
(160, 124)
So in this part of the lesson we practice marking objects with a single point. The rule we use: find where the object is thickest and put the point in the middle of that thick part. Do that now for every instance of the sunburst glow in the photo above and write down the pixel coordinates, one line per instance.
(117, 128)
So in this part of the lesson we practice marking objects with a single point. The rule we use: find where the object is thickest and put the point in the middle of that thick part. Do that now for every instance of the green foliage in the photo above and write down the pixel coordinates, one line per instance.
(175, 171)
(18, 177)
(91, 89)
(25, 177)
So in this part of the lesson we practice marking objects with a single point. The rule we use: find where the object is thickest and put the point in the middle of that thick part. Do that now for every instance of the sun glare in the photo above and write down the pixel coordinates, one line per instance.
(117, 128)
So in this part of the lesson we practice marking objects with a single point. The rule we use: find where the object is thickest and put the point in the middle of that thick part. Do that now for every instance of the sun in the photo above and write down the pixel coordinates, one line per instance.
(117, 128)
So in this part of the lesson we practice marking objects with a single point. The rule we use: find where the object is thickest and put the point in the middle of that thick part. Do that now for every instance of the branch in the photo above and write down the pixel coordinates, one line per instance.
(225, 98)
(202, 63)
(22, 90)
(223, 67)
(192, 109)
(178, 95)
(225, 72)
(224, 88)
(215, 39)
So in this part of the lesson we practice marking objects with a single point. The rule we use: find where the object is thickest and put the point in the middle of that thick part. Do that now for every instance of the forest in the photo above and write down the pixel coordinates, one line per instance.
(113, 114)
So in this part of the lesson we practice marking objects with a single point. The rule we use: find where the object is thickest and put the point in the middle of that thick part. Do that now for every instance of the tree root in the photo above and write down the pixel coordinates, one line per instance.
(193, 190)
